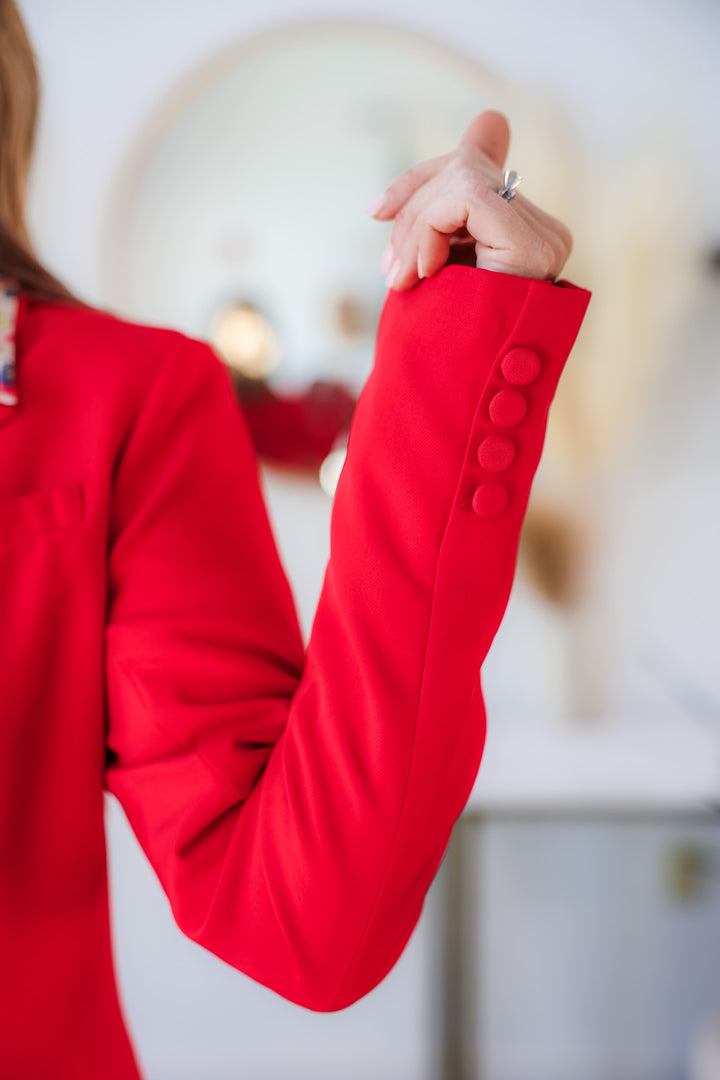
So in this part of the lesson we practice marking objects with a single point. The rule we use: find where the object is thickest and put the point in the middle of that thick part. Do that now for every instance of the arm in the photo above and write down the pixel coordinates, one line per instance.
(297, 808)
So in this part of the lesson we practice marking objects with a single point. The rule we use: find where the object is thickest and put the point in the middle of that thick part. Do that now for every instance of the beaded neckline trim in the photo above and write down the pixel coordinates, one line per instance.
(8, 320)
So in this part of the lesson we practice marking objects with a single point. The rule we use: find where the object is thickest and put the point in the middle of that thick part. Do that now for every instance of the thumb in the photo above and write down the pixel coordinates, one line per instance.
(490, 133)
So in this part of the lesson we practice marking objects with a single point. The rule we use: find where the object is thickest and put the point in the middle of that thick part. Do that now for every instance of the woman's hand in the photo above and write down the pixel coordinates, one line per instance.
(454, 199)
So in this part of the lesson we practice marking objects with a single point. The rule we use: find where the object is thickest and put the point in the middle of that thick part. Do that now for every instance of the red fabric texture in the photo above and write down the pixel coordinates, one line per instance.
(294, 804)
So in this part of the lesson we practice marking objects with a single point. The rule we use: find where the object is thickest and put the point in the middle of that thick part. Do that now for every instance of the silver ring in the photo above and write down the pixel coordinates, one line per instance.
(512, 179)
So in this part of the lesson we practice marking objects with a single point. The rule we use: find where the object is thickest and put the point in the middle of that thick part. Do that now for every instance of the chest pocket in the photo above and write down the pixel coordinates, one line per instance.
(25, 516)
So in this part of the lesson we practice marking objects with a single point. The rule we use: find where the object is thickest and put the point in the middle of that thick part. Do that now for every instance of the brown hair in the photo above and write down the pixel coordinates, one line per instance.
(19, 99)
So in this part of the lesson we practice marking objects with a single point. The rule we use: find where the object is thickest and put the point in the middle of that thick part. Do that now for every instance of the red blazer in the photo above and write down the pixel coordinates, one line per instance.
(295, 805)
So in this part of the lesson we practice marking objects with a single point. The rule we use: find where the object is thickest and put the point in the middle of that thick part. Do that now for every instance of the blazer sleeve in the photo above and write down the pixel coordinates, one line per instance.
(296, 805)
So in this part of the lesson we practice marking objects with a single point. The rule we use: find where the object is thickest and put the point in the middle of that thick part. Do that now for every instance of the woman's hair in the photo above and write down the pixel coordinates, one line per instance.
(19, 98)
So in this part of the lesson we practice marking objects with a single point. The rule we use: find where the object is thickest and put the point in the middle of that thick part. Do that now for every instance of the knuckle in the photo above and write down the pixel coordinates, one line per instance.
(465, 170)
(472, 178)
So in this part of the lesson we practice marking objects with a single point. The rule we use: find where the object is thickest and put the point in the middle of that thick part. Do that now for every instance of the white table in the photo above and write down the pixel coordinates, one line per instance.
(668, 764)
(662, 767)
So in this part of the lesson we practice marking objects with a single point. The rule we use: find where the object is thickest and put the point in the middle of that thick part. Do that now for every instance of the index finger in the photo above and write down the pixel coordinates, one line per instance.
(387, 205)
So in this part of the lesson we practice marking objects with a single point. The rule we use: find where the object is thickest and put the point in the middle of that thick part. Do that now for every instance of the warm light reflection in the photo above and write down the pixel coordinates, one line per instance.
(245, 340)
(330, 470)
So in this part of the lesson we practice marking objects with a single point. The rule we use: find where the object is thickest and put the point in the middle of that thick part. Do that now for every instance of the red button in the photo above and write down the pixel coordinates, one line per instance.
(507, 408)
(496, 453)
(520, 366)
(490, 500)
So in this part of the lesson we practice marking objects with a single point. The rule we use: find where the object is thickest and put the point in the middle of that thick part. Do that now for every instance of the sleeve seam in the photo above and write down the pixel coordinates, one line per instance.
(453, 504)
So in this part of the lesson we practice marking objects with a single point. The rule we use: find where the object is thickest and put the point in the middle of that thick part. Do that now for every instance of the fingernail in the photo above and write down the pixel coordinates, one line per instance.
(421, 272)
(390, 279)
(376, 205)
(387, 259)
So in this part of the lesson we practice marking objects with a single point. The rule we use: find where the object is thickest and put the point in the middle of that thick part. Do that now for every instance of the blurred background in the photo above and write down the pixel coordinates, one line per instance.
(206, 166)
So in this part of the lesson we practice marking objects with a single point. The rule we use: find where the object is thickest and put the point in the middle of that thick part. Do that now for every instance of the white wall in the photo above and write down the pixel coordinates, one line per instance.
(631, 75)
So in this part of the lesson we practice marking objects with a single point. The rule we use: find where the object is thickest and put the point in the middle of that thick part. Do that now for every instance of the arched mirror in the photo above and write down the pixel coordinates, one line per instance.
(239, 217)
(240, 214)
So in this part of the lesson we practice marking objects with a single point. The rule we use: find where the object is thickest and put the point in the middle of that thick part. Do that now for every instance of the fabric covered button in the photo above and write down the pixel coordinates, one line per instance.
(507, 408)
(496, 453)
(490, 500)
(520, 366)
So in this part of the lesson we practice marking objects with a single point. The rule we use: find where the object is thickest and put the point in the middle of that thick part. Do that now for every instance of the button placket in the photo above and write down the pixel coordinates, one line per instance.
(520, 366)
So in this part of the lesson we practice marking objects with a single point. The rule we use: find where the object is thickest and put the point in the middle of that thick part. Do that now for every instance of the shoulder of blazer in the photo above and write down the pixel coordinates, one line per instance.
(97, 351)
(85, 326)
